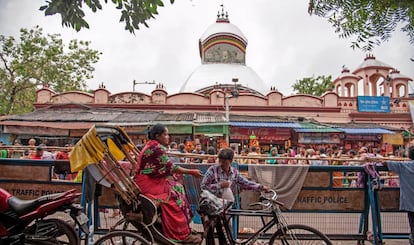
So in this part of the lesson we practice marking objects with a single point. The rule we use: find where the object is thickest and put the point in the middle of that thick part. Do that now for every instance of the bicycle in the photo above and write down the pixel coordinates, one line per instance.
(285, 233)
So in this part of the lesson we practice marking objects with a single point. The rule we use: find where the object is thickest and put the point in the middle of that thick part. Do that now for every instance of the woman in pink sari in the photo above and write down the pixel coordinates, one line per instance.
(154, 176)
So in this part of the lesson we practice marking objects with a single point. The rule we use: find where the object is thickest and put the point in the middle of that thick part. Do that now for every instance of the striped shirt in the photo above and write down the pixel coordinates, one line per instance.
(215, 175)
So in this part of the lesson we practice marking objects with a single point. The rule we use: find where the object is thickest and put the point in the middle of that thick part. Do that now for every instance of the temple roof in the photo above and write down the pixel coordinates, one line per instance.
(370, 61)
(210, 74)
(222, 28)
(346, 74)
(395, 74)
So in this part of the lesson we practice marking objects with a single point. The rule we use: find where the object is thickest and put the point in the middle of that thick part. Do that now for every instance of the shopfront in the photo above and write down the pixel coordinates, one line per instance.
(211, 135)
(180, 133)
(264, 135)
(354, 138)
(393, 143)
(315, 135)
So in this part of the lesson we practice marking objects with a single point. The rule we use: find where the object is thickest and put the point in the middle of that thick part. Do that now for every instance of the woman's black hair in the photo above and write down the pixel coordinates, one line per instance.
(156, 131)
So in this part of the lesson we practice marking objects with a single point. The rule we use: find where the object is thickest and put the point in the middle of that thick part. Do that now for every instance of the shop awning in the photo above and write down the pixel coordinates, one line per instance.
(260, 133)
(57, 125)
(407, 134)
(366, 131)
(211, 130)
(316, 128)
(180, 129)
(265, 124)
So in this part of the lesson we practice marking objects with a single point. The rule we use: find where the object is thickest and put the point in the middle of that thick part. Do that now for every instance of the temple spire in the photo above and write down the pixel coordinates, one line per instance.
(223, 16)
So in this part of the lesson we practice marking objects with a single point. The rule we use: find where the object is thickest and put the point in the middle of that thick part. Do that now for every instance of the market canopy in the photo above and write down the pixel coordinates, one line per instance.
(366, 131)
(316, 128)
(266, 124)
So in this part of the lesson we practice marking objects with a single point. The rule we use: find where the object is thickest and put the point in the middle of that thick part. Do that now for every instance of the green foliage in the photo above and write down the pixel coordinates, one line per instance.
(133, 12)
(37, 60)
(370, 22)
(313, 86)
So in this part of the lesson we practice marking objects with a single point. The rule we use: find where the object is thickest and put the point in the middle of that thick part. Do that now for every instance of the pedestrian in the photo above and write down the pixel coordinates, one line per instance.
(253, 153)
(47, 155)
(26, 154)
(63, 154)
(16, 152)
(291, 153)
(198, 150)
(273, 153)
(317, 159)
(211, 151)
(32, 143)
(174, 149)
(244, 153)
(181, 149)
(301, 154)
(3, 152)
(405, 169)
(38, 154)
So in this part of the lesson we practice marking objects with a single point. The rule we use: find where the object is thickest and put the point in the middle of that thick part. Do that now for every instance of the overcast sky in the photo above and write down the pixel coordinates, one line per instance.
(285, 44)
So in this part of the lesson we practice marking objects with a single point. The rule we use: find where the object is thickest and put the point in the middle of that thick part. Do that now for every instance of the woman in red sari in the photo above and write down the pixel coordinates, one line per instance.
(154, 176)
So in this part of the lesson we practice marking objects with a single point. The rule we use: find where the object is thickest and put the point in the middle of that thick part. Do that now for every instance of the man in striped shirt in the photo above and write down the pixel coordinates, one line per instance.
(223, 175)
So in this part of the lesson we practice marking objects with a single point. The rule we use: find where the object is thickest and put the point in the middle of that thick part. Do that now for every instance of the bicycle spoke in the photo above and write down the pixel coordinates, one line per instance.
(299, 235)
(121, 237)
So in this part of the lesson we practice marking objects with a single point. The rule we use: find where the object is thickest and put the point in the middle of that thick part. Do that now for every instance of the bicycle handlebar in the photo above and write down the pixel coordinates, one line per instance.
(272, 200)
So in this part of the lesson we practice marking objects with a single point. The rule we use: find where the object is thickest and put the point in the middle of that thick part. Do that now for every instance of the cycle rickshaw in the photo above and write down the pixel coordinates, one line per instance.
(99, 153)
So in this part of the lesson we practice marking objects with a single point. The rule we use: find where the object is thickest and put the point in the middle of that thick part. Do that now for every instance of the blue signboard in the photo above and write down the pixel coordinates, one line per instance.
(373, 104)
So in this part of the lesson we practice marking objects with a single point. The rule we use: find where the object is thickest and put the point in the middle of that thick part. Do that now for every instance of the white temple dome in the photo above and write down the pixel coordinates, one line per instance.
(210, 74)
(220, 28)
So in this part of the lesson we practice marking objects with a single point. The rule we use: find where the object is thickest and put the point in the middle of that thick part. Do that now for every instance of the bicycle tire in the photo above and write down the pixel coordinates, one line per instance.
(141, 229)
(121, 237)
(52, 231)
(305, 235)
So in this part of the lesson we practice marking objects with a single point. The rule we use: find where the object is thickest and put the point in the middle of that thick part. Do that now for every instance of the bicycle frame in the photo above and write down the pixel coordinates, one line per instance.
(285, 232)
(223, 220)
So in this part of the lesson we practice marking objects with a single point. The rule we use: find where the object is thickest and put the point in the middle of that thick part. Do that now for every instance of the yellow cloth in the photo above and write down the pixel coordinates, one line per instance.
(117, 153)
(89, 149)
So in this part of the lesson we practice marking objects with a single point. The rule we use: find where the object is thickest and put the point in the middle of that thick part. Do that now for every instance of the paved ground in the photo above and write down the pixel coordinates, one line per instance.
(327, 223)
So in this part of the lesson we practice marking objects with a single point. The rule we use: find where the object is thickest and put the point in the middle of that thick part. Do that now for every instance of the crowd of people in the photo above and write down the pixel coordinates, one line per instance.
(304, 155)
(314, 156)
(34, 151)
(41, 151)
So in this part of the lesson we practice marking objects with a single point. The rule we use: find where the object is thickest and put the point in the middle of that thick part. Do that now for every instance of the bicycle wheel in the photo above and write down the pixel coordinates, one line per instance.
(121, 237)
(52, 231)
(138, 228)
(299, 234)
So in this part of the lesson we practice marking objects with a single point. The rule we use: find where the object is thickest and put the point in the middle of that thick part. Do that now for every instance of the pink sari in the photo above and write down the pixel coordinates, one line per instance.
(154, 178)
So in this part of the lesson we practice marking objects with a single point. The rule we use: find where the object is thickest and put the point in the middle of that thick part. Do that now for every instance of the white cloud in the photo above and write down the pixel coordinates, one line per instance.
(285, 43)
